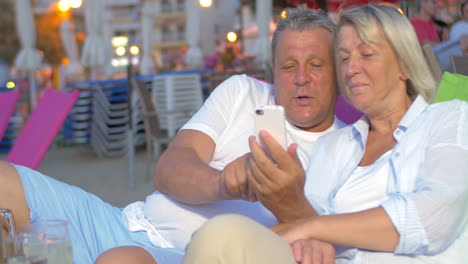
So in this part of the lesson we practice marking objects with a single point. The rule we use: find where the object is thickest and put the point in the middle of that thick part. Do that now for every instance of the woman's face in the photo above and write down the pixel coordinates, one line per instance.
(370, 74)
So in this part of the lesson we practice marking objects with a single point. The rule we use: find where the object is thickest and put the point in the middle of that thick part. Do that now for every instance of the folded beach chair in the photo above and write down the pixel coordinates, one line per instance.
(8, 102)
(155, 138)
(460, 64)
(177, 97)
(41, 128)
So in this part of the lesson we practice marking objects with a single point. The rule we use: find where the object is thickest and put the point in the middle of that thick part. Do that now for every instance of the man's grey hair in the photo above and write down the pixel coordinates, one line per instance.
(301, 19)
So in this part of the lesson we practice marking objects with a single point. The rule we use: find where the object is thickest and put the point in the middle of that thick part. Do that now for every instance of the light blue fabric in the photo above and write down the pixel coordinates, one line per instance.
(444, 50)
(427, 189)
(95, 226)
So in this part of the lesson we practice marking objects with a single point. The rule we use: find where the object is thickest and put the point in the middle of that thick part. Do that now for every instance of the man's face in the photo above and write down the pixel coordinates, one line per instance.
(303, 71)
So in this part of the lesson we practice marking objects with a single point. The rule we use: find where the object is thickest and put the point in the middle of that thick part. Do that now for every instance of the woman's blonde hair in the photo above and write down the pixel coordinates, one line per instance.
(370, 20)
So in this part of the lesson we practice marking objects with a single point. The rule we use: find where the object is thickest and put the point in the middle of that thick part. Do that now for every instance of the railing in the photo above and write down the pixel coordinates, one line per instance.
(172, 36)
(172, 8)
(123, 2)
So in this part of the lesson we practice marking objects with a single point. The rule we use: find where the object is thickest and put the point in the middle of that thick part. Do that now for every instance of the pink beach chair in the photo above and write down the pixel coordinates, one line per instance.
(8, 102)
(41, 128)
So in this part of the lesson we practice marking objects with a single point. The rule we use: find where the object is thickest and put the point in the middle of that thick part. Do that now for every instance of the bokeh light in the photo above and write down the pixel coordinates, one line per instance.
(120, 51)
(63, 5)
(231, 36)
(75, 3)
(205, 3)
(10, 85)
(283, 14)
(134, 50)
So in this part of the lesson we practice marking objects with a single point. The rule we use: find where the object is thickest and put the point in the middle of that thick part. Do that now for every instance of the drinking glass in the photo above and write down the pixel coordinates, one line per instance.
(21, 260)
(55, 232)
(26, 248)
(6, 216)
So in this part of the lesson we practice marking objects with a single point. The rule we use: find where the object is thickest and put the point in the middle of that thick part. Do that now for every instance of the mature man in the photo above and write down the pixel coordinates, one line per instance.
(203, 172)
(423, 22)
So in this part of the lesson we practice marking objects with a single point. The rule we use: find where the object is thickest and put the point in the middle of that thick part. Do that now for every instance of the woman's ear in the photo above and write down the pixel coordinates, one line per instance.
(403, 75)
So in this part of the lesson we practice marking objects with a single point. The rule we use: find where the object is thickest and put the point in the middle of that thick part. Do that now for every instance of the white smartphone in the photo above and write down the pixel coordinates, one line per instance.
(271, 118)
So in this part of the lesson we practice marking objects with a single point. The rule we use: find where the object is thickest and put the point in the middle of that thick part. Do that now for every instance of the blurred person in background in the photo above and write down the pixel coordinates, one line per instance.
(460, 28)
(423, 22)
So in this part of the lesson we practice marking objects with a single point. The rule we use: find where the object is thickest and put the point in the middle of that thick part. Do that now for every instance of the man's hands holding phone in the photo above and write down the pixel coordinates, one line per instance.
(278, 181)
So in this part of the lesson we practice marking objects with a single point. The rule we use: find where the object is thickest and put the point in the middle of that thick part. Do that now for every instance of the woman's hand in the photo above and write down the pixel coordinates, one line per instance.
(306, 250)
(313, 251)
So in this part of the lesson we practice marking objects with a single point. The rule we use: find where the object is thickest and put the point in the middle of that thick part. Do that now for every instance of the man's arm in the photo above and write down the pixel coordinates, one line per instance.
(184, 166)
(183, 173)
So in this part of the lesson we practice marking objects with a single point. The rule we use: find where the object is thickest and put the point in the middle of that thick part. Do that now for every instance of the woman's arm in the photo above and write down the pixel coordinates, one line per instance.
(434, 214)
(370, 229)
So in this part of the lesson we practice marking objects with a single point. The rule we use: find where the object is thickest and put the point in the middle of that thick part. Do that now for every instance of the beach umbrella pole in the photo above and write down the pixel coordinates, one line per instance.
(32, 91)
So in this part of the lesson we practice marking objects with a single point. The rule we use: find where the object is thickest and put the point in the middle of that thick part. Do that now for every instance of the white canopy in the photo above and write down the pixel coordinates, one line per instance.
(67, 32)
(194, 57)
(29, 58)
(263, 50)
(94, 49)
(107, 35)
(147, 22)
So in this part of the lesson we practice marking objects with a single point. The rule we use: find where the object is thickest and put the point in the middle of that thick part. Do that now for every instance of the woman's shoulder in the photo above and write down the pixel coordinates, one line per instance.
(447, 107)
(336, 136)
(448, 118)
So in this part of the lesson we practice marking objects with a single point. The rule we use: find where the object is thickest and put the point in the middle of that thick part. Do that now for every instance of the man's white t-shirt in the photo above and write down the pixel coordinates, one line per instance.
(227, 117)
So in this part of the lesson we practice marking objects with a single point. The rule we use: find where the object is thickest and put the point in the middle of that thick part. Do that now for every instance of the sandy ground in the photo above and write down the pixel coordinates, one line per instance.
(107, 178)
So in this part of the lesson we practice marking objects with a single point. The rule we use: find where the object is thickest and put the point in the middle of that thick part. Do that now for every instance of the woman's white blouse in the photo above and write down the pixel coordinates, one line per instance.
(365, 188)
(427, 192)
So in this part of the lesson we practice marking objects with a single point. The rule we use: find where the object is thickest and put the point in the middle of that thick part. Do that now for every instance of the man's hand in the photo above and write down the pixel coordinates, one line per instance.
(278, 179)
(233, 181)
(313, 251)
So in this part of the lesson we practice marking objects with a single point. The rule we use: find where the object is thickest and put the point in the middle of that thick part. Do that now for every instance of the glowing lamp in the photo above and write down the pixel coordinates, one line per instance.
(231, 36)
(205, 3)
(120, 51)
(134, 50)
